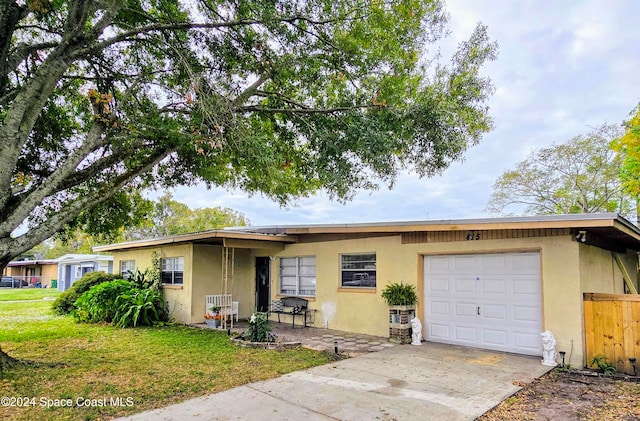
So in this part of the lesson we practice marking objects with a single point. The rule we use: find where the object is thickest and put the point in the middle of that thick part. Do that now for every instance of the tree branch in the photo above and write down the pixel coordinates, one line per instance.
(255, 108)
(57, 220)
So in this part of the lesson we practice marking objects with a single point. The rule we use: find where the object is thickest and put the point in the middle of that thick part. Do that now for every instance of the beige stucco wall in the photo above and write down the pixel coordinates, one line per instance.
(364, 311)
(207, 275)
(600, 272)
(202, 276)
(49, 272)
(178, 297)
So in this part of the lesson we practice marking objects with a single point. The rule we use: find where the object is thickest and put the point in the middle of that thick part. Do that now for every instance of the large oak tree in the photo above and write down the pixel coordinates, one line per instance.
(99, 99)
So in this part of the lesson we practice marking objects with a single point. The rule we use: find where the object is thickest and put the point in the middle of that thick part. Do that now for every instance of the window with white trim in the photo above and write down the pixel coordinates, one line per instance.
(298, 275)
(358, 270)
(172, 270)
(127, 268)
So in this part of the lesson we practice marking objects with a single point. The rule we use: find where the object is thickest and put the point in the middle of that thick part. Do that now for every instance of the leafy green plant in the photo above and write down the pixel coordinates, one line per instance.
(602, 365)
(259, 330)
(64, 304)
(140, 308)
(399, 294)
(99, 303)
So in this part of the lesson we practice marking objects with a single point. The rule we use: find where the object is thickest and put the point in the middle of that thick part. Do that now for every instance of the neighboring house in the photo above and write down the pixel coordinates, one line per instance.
(74, 266)
(38, 272)
(490, 283)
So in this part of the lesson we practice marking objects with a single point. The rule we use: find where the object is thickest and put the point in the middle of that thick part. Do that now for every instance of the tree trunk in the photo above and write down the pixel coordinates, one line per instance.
(6, 361)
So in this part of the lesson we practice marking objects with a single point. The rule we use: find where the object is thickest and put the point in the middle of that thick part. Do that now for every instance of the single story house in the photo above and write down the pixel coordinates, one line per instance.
(72, 267)
(493, 283)
(42, 272)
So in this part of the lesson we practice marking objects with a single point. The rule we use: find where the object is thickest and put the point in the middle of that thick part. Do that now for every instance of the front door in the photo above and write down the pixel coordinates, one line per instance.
(263, 269)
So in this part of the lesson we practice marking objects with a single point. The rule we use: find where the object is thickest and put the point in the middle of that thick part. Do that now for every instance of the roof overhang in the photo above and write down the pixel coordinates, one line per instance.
(251, 240)
(606, 229)
(609, 227)
(31, 262)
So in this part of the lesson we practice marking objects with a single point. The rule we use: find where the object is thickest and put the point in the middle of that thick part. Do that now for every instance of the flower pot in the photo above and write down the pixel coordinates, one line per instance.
(212, 323)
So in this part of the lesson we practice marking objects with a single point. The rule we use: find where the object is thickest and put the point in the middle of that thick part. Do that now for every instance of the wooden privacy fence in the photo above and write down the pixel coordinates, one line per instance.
(612, 329)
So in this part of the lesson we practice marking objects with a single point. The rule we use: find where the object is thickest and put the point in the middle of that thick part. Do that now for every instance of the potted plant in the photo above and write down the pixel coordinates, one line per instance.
(402, 299)
(213, 317)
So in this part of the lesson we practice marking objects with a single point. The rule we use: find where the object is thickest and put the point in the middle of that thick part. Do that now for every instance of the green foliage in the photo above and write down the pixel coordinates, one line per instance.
(163, 217)
(579, 176)
(140, 307)
(601, 364)
(628, 148)
(259, 330)
(146, 279)
(399, 294)
(98, 304)
(64, 304)
(282, 98)
(169, 217)
(123, 303)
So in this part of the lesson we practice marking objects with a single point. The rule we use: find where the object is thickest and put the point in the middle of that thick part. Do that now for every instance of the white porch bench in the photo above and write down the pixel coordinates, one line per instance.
(228, 307)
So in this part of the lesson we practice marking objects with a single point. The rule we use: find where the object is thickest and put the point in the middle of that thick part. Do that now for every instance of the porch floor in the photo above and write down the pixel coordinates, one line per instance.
(321, 339)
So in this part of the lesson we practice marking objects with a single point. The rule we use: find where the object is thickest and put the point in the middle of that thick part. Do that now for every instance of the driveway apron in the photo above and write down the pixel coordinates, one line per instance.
(428, 382)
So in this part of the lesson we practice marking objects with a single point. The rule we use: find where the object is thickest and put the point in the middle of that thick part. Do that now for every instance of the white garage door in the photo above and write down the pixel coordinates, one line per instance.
(491, 301)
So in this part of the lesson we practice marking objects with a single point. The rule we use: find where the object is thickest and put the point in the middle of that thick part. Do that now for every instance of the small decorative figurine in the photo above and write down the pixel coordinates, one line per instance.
(416, 331)
(549, 353)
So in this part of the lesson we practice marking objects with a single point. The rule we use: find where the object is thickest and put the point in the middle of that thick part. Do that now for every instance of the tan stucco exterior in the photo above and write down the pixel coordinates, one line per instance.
(568, 269)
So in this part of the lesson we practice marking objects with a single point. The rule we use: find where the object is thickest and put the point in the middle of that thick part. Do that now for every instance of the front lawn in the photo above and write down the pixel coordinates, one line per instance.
(103, 371)
(7, 294)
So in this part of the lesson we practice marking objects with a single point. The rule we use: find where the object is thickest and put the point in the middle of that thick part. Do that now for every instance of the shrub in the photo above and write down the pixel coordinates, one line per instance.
(64, 304)
(259, 330)
(146, 279)
(140, 307)
(98, 304)
(400, 294)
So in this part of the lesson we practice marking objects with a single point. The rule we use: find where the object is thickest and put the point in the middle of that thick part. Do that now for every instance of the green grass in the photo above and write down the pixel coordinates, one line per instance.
(9, 294)
(147, 367)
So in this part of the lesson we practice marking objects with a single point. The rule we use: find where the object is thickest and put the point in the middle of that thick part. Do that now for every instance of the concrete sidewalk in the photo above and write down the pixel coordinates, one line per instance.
(428, 382)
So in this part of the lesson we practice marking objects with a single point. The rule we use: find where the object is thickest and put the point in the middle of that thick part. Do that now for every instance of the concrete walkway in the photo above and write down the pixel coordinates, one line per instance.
(428, 382)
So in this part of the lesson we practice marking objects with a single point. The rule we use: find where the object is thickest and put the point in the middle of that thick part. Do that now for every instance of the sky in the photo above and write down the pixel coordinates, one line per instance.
(564, 67)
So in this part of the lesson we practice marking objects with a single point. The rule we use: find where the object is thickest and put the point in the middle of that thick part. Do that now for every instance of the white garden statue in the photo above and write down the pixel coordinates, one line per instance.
(549, 353)
(416, 331)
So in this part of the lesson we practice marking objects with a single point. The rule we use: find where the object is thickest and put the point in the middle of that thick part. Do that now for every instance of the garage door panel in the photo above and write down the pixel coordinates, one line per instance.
(505, 286)
(526, 314)
(438, 263)
(463, 264)
(440, 308)
(494, 311)
(493, 263)
(526, 286)
(439, 285)
(466, 310)
(529, 262)
(465, 286)
(440, 331)
(494, 337)
(494, 286)
(466, 334)
(527, 341)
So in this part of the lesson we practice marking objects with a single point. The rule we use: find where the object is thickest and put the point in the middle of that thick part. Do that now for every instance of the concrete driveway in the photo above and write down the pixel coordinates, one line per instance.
(428, 382)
